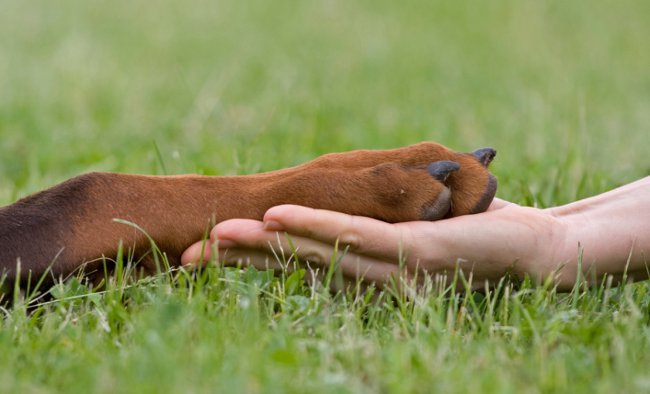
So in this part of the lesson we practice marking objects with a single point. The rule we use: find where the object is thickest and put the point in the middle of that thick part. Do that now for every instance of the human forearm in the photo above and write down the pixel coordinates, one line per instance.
(609, 228)
(607, 234)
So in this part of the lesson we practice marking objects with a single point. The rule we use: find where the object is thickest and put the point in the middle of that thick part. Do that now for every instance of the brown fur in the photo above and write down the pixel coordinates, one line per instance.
(73, 223)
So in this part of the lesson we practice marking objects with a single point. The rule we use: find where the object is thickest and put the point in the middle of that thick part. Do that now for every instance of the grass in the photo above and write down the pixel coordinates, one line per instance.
(560, 88)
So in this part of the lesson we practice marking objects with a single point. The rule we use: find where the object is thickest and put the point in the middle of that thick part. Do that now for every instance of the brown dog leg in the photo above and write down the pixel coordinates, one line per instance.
(73, 223)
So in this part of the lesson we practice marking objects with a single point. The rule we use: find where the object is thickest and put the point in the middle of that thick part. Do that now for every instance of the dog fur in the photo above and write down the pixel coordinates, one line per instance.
(71, 224)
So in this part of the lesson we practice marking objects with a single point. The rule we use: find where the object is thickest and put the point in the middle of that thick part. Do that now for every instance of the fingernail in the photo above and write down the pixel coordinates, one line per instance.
(272, 225)
(225, 244)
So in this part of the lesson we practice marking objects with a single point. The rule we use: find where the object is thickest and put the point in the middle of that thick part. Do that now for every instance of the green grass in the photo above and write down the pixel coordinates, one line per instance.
(560, 88)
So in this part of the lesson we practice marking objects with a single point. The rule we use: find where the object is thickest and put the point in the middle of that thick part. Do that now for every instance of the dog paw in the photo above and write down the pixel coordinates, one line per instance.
(470, 184)
(399, 193)
(412, 188)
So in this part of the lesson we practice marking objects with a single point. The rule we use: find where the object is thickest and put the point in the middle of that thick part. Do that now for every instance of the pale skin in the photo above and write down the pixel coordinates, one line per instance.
(610, 231)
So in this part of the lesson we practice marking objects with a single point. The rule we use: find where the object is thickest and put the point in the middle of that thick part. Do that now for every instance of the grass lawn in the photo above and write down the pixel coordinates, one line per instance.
(560, 88)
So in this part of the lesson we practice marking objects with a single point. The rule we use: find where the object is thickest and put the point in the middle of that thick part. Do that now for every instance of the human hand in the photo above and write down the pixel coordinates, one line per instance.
(506, 238)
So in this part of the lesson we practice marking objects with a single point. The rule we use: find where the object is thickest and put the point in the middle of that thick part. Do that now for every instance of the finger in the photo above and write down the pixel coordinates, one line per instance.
(197, 253)
(232, 229)
(251, 235)
(263, 261)
(362, 235)
(316, 256)
(498, 203)
(201, 252)
(251, 257)
(317, 259)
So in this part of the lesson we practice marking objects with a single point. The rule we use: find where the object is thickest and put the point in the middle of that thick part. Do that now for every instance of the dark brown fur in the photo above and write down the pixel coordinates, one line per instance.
(73, 223)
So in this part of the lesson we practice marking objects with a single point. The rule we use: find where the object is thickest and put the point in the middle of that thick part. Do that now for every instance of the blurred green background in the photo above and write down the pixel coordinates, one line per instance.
(560, 88)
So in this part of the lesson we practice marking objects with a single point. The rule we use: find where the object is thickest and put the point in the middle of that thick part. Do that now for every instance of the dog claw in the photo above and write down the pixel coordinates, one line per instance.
(442, 169)
(485, 155)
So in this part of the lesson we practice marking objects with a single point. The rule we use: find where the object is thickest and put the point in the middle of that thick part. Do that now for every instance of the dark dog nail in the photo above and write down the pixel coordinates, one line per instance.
(485, 155)
(441, 169)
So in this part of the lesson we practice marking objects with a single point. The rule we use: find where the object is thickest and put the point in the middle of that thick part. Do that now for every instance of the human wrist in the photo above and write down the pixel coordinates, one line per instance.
(552, 250)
